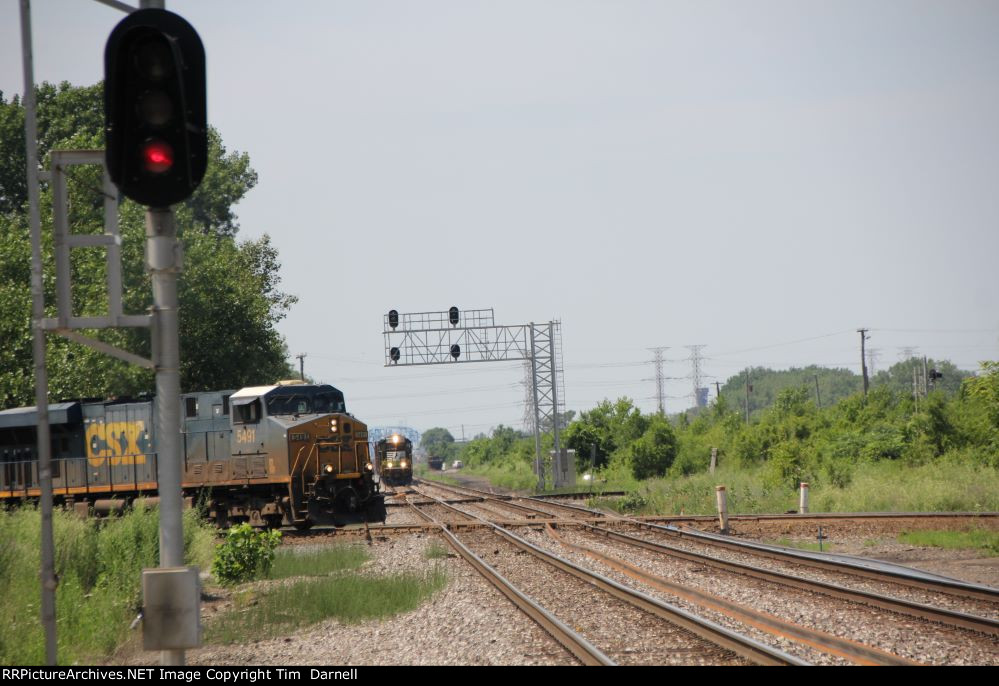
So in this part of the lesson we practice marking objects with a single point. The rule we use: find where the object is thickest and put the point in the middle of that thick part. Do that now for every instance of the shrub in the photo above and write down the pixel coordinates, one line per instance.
(245, 554)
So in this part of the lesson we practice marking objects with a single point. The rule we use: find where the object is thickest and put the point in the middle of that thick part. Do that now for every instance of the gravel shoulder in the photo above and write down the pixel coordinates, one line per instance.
(471, 623)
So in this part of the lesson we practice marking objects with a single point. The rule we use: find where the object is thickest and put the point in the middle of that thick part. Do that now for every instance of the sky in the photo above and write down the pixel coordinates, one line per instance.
(761, 178)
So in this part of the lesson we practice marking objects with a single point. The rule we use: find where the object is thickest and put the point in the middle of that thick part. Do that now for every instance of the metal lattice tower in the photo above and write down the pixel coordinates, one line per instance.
(695, 369)
(528, 383)
(453, 337)
(906, 353)
(660, 379)
(873, 355)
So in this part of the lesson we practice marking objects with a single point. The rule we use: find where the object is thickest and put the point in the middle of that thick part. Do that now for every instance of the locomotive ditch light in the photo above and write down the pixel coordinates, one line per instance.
(329, 469)
(394, 354)
(455, 351)
(452, 315)
(393, 318)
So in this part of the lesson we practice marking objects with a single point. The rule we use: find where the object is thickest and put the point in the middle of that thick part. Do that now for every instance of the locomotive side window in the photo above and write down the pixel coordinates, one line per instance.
(247, 413)
(225, 404)
(191, 407)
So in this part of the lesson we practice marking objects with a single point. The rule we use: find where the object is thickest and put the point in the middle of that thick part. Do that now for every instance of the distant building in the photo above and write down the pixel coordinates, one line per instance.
(702, 397)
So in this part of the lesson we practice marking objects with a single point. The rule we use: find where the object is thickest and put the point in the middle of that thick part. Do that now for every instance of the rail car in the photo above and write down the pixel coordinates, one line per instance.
(395, 459)
(267, 455)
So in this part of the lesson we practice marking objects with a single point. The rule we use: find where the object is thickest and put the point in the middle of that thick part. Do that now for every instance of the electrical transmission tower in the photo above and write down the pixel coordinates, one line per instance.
(660, 379)
(906, 353)
(700, 394)
(873, 355)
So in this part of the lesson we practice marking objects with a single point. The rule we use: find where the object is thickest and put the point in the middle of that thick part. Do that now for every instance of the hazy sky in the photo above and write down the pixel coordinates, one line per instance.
(744, 175)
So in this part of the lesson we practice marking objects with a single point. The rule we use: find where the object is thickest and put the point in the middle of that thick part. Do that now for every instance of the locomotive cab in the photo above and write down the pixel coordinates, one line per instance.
(310, 441)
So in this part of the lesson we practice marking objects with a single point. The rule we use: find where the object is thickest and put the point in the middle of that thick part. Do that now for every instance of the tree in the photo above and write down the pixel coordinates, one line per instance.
(653, 454)
(608, 426)
(437, 441)
(230, 301)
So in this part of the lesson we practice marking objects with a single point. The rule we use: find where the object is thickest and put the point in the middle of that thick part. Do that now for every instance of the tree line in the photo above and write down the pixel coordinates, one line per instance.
(229, 290)
(795, 438)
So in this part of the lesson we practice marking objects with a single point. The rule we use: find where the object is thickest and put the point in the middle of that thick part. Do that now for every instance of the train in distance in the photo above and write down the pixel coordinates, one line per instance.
(394, 456)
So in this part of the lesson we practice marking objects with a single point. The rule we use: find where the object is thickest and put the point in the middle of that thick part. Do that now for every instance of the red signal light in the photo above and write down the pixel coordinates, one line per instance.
(157, 157)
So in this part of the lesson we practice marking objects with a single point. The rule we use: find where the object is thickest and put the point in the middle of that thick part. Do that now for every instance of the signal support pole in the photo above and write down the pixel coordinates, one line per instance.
(47, 573)
(164, 261)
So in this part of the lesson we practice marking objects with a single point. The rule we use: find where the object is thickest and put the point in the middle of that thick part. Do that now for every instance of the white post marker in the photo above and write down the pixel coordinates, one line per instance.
(722, 508)
(803, 500)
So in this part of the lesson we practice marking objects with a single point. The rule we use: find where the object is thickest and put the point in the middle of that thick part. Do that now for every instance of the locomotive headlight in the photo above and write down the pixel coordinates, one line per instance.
(395, 439)
(389, 465)
(403, 464)
(333, 425)
(329, 469)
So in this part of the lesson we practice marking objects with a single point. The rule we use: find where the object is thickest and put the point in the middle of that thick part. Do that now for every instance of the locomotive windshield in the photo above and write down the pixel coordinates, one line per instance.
(305, 400)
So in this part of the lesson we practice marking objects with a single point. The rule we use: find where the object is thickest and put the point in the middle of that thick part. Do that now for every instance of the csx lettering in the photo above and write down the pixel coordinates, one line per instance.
(125, 443)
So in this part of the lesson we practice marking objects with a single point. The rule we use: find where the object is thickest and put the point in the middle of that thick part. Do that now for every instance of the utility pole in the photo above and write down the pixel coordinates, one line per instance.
(926, 384)
(748, 389)
(717, 389)
(301, 364)
(863, 357)
(818, 398)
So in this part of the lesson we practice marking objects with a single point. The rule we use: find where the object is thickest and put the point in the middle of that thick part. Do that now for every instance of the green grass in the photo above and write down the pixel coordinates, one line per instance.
(300, 561)
(514, 475)
(434, 475)
(436, 551)
(978, 539)
(887, 486)
(804, 545)
(350, 597)
(99, 564)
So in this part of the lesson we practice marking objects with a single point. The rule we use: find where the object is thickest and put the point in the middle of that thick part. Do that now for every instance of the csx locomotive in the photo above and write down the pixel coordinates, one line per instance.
(268, 455)
(395, 459)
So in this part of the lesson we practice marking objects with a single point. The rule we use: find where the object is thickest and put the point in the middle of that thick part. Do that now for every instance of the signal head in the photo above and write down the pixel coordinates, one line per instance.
(452, 315)
(155, 109)
(394, 354)
(455, 351)
(393, 318)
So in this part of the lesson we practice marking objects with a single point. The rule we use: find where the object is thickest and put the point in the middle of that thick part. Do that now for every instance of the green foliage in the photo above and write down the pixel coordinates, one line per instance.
(981, 539)
(438, 442)
(350, 597)
(316, 561)
(99, 565)
(608, 427)
(244, 555)
(436, 551)
(654, 451)
(228, 290)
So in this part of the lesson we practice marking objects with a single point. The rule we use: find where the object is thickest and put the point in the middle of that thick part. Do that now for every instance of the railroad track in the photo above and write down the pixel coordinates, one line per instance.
(974, 625)
(727, 646)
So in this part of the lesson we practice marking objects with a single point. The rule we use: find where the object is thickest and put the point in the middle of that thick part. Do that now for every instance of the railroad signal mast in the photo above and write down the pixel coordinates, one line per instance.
(157, 152)
(453, 336)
